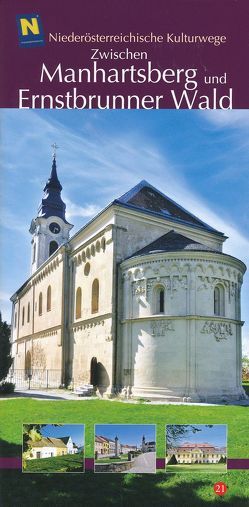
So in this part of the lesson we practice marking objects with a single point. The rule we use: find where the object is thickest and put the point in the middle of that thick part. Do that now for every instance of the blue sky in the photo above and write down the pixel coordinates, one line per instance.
(198, 158)
(131, 434)
(76, 431)
(216, 435)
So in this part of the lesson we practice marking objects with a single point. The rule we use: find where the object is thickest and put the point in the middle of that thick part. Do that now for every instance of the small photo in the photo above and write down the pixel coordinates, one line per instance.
(53, 448)
(125, 448)
(196, 447)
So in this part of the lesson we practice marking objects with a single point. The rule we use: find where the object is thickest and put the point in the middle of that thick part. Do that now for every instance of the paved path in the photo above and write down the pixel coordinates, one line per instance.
(144, 464)
(64, 394)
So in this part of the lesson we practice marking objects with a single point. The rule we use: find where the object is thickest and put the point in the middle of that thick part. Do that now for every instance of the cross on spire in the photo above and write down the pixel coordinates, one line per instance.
(55, 147)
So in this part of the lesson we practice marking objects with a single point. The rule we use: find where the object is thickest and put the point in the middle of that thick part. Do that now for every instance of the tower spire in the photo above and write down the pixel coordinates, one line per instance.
(52, 203)
(53, 181)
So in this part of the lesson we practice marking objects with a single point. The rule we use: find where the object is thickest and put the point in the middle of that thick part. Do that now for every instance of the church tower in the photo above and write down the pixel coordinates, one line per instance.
(50, 228)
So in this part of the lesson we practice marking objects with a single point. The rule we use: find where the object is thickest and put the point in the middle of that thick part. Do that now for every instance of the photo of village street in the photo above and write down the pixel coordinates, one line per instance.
(125, 448)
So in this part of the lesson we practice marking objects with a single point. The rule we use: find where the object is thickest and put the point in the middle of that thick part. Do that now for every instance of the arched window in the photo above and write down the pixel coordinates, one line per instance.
(28, 313)
(23, 315)
(160, 300)
(219, 300)
(78, 303)
(52, 247)
(34, 252)
(95, 296)
(40, 304)
(49, 298)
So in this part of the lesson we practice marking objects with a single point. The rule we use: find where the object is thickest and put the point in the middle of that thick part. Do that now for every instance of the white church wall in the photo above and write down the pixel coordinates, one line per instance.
(92, 331)
(159, 354)
(24, 308)
(43, 352)
(218, 352)
(94, 261)
(51, 275)
(93, 340)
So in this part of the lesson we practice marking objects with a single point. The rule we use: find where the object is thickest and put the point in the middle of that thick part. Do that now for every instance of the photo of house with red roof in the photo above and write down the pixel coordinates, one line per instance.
(204, 450)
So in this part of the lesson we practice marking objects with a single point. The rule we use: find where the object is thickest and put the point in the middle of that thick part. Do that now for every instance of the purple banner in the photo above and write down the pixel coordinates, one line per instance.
(164, 54)
(16, 463)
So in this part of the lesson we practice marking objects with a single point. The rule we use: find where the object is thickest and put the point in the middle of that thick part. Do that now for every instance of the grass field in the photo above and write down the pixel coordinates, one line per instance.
(219, 468)
(69, 463)
(121, 490)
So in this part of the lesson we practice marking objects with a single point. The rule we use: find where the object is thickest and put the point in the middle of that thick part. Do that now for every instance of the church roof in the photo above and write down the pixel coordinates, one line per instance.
(52, 203)
(146, 198)
(173, 242)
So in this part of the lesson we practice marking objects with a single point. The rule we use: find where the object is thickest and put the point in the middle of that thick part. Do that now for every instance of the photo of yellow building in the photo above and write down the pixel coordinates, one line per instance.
(50, 447)
(46, 448)
(197, 453)
(205, 450)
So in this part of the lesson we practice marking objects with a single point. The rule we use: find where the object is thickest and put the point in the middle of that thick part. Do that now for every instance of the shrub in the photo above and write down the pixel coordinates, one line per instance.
(7, 387)
(5, 348)
(173, 460)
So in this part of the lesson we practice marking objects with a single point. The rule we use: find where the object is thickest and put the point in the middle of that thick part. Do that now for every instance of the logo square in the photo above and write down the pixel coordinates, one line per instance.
(30, 30)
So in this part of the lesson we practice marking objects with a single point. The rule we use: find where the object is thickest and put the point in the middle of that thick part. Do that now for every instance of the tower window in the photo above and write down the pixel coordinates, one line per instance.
(159, 300)
(23, 316)
(34, 252)
(40, 304)
(15, 321)
(95, 296)
(78, 303)
(53, 245)
(49, 298)
(28, 313)
(219, 300)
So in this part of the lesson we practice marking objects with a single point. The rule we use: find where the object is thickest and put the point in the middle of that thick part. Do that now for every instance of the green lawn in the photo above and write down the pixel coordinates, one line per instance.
(121, 490)
(68, 463)
(219, 468)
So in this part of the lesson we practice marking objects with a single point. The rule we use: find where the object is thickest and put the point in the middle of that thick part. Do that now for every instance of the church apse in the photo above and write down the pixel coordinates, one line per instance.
(180, 326)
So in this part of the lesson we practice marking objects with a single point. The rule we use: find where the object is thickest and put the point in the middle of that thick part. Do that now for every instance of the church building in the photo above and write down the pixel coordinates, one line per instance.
(140, 301)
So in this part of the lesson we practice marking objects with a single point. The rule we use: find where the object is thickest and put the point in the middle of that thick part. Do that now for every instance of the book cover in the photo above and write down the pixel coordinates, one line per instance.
(124, 317)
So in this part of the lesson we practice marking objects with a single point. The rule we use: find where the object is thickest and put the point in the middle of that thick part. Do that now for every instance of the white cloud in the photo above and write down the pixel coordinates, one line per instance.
(74, 210)
(236, 118)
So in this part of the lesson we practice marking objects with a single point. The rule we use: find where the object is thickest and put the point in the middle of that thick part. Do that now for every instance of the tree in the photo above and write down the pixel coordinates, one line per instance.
(174, 433)
(173, 460)
(32, 433)
(245, 368)
(5, 349)
(222, 459)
